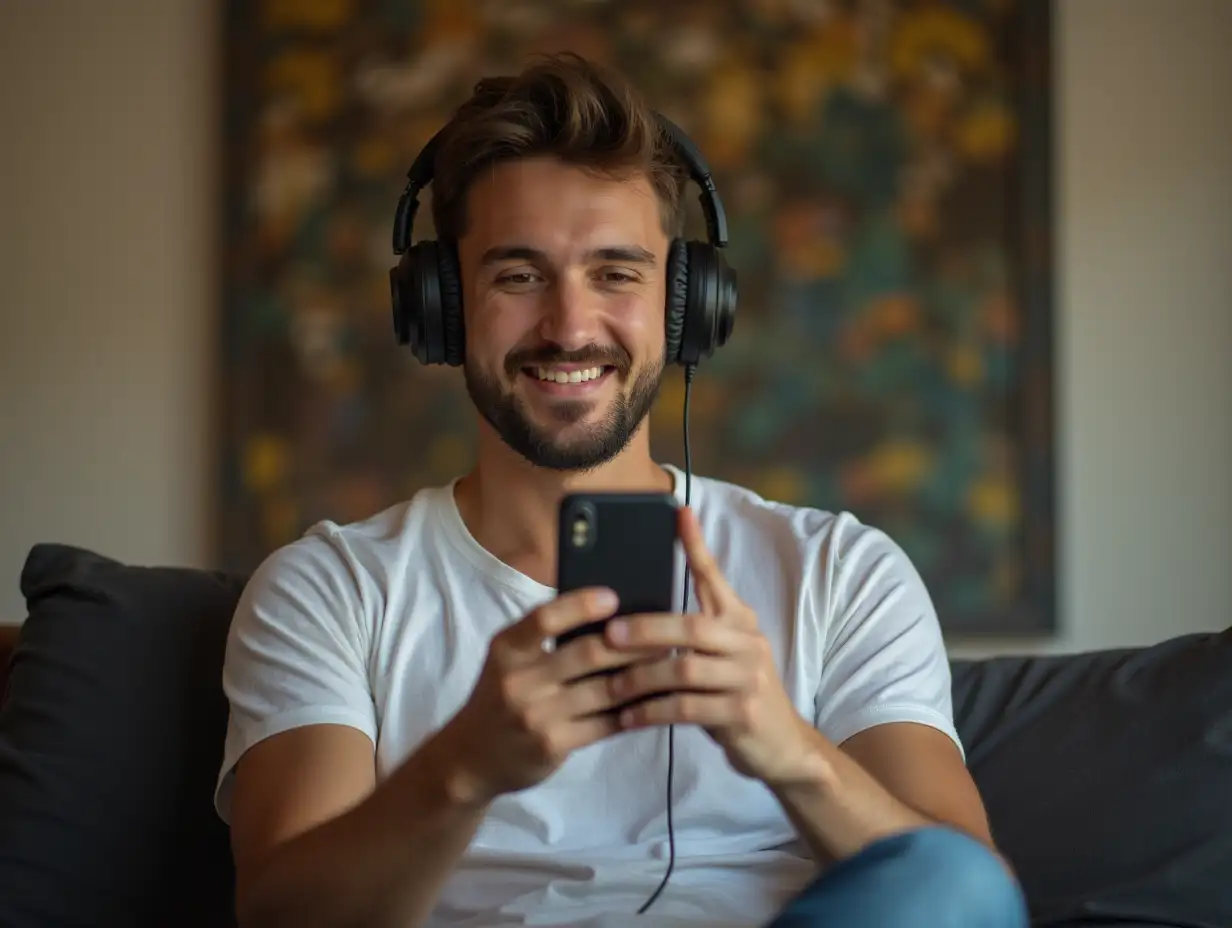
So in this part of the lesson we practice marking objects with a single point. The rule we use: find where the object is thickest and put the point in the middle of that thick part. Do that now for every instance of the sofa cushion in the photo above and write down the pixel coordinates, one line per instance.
(1108, 778)
(1106, 775)
(111, 736)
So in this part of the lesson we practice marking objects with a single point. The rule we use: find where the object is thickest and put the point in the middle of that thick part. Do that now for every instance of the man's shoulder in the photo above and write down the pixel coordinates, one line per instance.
(740, 520)
(738, 508)
(366, 546)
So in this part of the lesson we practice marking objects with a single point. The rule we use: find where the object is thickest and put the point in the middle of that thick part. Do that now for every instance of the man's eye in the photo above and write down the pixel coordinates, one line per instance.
(618, 277)
(516, 279)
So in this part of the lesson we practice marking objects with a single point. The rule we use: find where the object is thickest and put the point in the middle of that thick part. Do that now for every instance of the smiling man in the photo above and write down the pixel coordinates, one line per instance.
(405, 747)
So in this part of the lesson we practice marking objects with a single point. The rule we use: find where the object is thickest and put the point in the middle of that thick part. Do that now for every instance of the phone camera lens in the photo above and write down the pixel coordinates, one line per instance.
(581, 527)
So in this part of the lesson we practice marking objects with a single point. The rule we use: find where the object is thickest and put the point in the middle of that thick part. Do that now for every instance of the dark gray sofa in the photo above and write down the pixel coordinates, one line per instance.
(1108, 775)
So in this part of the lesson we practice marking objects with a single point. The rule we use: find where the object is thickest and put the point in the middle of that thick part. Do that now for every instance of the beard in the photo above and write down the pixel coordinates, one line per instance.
(589, 445)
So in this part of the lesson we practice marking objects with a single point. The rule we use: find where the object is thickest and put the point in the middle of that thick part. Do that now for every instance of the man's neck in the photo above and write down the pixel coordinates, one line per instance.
(511, 507)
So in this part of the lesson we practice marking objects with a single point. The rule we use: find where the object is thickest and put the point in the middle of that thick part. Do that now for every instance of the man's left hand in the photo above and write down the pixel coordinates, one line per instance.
(723, 678)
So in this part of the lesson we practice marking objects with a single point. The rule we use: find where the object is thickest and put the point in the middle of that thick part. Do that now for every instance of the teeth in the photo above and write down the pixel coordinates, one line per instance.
(547, 373)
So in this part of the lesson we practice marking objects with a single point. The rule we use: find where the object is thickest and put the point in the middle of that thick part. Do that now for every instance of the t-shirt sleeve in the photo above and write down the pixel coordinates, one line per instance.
(884, 658)
(296, 652)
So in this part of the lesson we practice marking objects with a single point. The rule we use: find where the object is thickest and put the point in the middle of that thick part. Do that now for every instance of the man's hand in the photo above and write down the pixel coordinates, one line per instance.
(723, 680)
(532, 705)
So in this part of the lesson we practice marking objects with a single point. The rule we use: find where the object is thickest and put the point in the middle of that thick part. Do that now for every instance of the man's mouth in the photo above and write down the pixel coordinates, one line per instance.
(568, 379)
(568, 374)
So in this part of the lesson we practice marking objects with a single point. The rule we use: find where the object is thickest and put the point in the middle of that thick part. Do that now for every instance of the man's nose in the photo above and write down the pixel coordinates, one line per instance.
(572, 316)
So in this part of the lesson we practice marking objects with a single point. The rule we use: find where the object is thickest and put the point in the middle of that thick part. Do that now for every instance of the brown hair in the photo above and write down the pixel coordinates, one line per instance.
(564, 106)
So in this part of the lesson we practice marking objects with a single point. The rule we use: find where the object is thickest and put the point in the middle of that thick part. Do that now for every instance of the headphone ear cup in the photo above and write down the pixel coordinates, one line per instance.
(416, 294)
(710, 303)
(453, 327)
(677, 298)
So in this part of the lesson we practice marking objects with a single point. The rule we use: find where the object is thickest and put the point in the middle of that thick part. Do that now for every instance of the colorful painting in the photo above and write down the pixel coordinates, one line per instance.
(885, 168)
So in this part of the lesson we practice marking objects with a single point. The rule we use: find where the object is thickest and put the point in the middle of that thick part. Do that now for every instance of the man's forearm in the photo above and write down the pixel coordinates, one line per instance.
(382, 863)
(839, 808)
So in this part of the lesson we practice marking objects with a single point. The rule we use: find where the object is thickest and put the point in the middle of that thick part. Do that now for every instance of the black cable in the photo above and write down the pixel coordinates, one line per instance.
(689, 370)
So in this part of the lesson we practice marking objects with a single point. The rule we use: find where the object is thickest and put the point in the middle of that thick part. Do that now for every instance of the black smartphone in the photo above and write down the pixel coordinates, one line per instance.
(623, 541)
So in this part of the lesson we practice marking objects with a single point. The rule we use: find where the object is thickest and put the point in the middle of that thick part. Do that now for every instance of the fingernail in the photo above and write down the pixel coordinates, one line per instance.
(619, 631)
(606, 599)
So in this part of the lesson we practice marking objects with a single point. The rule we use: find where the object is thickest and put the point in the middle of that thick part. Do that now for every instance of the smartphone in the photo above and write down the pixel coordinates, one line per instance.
(623, 541)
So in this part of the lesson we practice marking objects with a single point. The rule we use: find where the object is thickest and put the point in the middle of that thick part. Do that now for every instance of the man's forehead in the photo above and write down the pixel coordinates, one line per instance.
(556, 208)
(548, 191)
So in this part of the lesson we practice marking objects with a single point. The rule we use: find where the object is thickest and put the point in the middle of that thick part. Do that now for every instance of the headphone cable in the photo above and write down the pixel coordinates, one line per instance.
(689, 371)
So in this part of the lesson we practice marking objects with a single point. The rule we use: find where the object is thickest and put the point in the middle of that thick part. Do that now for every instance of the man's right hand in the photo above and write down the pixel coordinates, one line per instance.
(531, 706)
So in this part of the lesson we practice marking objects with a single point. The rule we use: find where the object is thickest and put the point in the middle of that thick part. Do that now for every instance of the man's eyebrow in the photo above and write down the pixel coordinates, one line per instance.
(629, 254)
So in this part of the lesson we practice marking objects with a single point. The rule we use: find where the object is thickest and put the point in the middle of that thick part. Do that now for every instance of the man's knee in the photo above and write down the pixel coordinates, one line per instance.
(958, 881)
(936, 877)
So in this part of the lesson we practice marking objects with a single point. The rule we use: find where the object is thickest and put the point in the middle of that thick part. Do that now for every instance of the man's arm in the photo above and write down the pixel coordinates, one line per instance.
(884, 780)
(886, 750)
(317, 842)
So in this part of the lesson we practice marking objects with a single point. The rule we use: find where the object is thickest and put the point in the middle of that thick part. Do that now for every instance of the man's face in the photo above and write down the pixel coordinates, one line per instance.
(563, 289)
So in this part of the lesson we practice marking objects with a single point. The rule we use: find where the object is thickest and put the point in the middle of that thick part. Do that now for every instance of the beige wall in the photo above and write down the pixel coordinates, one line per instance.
(106, 199)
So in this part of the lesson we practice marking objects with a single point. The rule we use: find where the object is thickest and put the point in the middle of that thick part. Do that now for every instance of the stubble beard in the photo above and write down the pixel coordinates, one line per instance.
(588, 446)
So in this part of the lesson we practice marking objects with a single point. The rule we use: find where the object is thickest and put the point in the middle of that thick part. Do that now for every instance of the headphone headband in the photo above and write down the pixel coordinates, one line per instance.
(423, 169)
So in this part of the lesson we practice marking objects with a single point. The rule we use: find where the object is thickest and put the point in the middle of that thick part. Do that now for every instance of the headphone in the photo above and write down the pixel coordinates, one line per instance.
(426, 287)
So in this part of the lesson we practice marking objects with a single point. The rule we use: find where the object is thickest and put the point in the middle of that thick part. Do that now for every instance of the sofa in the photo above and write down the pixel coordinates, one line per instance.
(1107, 775)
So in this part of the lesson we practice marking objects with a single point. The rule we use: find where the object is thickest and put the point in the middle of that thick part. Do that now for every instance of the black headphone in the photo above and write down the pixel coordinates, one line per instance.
(427, 294)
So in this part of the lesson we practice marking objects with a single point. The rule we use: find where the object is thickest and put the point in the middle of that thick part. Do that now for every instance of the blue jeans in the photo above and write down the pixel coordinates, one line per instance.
(930, 878)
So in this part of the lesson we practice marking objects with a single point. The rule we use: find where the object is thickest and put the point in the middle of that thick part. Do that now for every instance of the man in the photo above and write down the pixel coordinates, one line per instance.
(405, 750)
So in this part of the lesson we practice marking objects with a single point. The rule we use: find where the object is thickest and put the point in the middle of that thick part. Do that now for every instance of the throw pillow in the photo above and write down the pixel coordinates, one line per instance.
(1108, 778)
(111, 736)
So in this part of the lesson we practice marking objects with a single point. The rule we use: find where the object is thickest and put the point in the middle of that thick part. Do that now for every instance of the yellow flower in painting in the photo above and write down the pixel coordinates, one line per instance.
(925, 35)
(320, 15)
(985, 134)
(991, 501)
(310, 78)
(899, 465)
(812, 65)
(733, 115)
(265, 463)
(965, 365)
(781, 485)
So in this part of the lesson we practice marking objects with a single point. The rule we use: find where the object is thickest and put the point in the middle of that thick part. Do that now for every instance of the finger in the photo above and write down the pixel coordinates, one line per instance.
(585, 698)
(585, 731)
(589, 654)
(567, 611)
(709, 710)
(694, 630)
(690, 671)
(564, 729)
(713, 591)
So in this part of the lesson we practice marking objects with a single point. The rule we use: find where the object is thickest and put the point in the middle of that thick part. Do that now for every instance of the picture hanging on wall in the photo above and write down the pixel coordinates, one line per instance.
(885, 166)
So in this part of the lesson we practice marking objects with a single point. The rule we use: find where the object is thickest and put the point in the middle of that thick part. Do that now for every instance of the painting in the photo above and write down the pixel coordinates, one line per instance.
(885, 165)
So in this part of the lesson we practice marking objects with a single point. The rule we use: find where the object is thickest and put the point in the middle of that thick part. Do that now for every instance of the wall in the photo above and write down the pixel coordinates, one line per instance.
(105, 273)
(106, 205)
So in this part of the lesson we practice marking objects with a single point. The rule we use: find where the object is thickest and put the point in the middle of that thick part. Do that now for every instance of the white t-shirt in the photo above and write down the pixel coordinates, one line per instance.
(383, 625)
